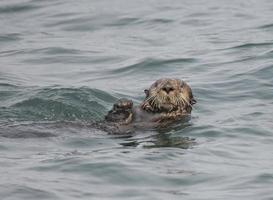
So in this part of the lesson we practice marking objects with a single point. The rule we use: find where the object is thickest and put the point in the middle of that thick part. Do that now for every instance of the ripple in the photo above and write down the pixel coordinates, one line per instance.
(161, 21)
(17, 191)
(16, 8)
(8, 86)
(126, 21)
(67, 57)
(55, 53)
(266, 26)
(90, 23)
(252, 45)
(10, 37)
(151, 65)
(265, 178)
(25, 132)
(263, 73)
(58, 104)
(3, 148)
(11, 53)
(161, 140)
(68, 22)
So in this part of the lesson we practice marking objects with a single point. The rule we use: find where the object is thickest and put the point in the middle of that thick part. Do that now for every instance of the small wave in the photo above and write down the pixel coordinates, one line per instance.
(151, 65)
(97, 22)
(57, 50)
(10, 37)
(123, 21)
(58, 104)
(154, 21)
(268, 53)
(82, 23)
(48, 51)
(68, 22)
(133, 21)
(50, 109)
(263, 73)
(16, 8)
(26, 192)
(26, 132)
(8, 85)
(8, 91)
(44, 129)
(10, 52)
(251, 45)
(161, 141)
(195, 22)
(266, 26)
(68, 59)
(161, 21)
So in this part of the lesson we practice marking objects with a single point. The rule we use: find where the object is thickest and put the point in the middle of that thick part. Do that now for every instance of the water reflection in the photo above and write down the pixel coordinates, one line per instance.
(160, 140)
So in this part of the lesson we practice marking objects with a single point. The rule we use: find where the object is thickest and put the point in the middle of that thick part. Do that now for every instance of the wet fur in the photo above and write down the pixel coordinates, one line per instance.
(176, 99)
(166, 101)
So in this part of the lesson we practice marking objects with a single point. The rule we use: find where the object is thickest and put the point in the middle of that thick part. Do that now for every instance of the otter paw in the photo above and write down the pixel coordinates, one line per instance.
(121, 113)
(123, 104)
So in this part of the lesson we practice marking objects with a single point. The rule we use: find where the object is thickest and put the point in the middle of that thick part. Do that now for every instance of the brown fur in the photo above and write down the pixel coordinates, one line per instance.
(167, 100)
(169, 96)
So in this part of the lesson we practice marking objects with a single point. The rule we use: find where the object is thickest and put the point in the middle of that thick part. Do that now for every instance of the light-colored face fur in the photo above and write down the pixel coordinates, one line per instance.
(167, 95)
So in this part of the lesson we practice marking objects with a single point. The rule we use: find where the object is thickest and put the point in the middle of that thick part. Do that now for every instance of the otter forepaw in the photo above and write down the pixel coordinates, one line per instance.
(121, 113)
(123, 104)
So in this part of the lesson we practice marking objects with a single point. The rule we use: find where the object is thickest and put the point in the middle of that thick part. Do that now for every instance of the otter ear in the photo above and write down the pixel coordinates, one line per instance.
(146, 92)
(193, 101)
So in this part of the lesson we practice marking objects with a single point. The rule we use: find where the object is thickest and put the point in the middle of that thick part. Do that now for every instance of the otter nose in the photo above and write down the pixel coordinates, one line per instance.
(167, 88)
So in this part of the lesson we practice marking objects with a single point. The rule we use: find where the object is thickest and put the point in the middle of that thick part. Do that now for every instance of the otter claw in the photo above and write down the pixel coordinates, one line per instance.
(123, 104)
(121, 113)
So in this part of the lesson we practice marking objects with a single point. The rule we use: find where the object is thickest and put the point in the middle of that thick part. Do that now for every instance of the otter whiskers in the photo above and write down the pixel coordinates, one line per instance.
(184, 99)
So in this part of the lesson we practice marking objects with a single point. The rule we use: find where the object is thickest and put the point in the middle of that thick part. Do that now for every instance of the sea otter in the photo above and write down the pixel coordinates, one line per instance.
(167, 101)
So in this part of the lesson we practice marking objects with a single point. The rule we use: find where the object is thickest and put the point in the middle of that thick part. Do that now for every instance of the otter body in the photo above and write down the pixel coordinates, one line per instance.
(167, 101)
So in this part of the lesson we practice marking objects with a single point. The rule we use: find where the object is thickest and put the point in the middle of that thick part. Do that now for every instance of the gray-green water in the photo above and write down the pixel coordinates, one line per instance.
(64, 63)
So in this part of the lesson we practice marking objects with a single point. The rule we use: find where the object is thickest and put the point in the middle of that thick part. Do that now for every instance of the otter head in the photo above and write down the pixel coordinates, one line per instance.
(167, 95)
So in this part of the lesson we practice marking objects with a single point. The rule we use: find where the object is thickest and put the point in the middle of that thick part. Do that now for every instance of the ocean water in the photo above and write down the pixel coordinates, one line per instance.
(64, 63)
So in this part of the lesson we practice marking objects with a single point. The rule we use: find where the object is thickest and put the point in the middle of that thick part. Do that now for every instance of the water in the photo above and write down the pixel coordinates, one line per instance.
(64, 63)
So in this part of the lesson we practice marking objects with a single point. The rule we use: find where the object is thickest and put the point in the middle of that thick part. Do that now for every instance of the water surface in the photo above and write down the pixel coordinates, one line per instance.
(64, 63)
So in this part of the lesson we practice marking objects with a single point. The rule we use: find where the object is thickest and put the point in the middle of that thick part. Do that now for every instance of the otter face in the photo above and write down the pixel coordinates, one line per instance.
(167, 95)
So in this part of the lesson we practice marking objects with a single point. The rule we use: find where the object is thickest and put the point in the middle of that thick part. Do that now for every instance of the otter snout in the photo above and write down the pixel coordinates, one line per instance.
(167, 88)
